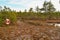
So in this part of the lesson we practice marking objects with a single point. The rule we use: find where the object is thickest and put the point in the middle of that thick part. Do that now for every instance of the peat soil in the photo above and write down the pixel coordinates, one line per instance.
(30, 30)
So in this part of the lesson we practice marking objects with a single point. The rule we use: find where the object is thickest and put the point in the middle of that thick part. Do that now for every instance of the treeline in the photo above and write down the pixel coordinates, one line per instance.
(39, 16)
(46, 12)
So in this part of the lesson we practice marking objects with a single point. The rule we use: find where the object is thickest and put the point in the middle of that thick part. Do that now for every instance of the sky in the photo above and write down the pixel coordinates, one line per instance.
(26, 4)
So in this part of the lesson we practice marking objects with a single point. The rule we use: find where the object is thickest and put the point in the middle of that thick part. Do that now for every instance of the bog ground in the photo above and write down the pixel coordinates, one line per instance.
(30, 30)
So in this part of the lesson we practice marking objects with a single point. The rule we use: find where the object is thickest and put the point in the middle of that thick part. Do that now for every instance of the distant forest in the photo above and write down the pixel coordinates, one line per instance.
(47, 12)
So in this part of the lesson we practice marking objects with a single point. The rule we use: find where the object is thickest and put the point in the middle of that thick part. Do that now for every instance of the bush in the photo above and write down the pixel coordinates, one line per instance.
(1, 20)
(7, 14)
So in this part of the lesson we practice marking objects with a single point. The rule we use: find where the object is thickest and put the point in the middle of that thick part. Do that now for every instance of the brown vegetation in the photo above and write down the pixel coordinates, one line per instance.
(28, 30)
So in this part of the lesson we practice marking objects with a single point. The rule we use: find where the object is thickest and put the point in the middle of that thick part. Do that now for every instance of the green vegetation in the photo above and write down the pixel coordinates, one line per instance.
(6, 13)
(47, 12)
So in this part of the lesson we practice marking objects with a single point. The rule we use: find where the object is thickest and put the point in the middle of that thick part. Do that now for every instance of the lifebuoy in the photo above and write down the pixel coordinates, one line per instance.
(7, 21)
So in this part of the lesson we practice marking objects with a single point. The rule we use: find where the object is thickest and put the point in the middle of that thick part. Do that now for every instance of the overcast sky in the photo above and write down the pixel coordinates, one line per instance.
(26, 4)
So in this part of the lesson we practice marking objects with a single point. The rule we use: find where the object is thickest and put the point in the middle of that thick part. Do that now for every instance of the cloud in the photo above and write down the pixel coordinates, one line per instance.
(56, 4)
(26, 4)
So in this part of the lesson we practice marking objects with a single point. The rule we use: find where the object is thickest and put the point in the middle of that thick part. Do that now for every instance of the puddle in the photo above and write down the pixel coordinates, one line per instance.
(54, 24)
